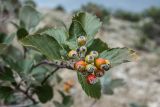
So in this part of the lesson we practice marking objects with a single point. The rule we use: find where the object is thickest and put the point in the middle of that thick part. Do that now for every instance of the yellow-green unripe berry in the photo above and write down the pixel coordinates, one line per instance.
(89, 59)
(72, 54)
(94, 53)
(82, 51)
(90, 68)
(81, 40)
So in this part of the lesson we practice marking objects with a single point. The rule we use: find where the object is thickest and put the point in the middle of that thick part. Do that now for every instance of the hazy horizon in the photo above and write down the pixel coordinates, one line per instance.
(129, 5)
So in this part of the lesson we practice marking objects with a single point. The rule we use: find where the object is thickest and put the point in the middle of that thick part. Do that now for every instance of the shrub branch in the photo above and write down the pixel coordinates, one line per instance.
(49, 75)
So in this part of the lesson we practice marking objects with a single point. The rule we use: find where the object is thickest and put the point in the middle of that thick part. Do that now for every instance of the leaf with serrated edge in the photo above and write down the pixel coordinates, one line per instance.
(29, 16)
(119, 55)
(90, 23)
(59, 34)
(47, 45)
(97, 45)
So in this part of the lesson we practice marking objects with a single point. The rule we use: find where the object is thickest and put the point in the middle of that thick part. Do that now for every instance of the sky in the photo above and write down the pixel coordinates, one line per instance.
(129, 5)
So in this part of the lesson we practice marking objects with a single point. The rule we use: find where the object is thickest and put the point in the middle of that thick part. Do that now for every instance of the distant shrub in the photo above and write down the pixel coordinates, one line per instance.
(152, 31)
(98, 10)
(60, 8)
(154, 13)
(134, 17)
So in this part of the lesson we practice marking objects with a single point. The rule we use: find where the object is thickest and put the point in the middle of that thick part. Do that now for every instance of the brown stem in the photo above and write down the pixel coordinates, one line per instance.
(61, 64)
(49, 75)
(93, 103)
(25, 51)
(28, 96)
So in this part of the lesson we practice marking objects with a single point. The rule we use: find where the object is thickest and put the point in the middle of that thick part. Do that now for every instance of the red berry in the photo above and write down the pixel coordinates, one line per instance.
(91, 79)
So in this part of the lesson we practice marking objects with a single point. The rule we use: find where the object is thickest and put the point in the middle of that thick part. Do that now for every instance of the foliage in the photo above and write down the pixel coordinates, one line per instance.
(98, 10)
(60, 8)
(153, 13)
(133, 17)
(151, 30)
(28, 69)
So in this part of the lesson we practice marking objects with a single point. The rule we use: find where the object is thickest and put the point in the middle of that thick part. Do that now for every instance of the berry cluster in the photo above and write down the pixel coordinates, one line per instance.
(91, 66)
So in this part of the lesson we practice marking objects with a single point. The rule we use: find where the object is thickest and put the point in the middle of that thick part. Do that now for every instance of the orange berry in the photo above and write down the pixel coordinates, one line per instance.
(107, 61)
(80, 66)
(99, 61)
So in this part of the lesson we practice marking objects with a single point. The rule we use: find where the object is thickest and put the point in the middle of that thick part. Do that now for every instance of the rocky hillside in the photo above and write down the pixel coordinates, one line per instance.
(141, 77)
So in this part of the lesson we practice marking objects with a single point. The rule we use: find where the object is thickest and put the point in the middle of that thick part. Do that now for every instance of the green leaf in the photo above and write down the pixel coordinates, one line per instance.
(93, 91)
(7, 75)
(90, 23)
(9, 39)
(59, 34)
(22, 65)
(67, 100)
(30, 3)
(115, 83)
(97, 45)
(13, 52)
(39, 73)
(29, 17)
(47, 45)
(21, 33)
(76, 30)
(110, 85)
(119, 55)
(5, 92)
(2, 47)
(44, 93)
(2, 37)
(108, 90)
(83, 24)
(26, 64)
